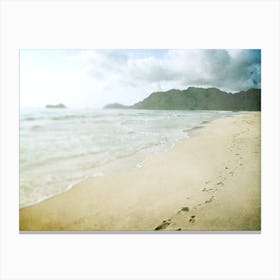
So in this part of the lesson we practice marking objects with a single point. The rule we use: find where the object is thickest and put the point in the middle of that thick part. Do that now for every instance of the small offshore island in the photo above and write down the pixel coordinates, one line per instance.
(57, 106)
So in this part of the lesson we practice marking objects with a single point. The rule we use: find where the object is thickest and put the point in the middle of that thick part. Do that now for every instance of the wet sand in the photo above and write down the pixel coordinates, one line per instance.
(210, 181)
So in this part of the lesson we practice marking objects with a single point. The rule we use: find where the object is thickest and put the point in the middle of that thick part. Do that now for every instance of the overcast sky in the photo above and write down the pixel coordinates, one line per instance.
(93, 78)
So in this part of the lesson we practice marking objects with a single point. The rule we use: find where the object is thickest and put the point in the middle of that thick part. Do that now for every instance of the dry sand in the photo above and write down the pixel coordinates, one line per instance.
(210, 181)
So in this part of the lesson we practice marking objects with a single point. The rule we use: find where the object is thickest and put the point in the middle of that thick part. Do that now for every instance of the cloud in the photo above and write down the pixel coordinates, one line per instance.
(231, 70)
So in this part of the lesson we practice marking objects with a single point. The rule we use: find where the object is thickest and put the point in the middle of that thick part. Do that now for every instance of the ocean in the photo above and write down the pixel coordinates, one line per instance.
(61, 147)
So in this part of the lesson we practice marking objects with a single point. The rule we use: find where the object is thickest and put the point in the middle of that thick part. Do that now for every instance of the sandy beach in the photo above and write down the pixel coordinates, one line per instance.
(209, 181)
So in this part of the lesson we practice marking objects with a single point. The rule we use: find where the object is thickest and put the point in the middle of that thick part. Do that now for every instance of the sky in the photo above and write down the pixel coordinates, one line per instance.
(94, 78)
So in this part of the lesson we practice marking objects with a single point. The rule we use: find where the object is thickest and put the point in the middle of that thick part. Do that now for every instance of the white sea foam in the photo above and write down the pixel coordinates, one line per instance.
(59, 147)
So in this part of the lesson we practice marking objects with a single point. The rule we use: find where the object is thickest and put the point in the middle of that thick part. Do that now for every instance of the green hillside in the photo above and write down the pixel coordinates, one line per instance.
(202, 99)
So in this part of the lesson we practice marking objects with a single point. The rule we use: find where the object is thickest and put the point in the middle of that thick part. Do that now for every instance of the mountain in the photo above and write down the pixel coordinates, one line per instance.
(202, 99)
(199, 99)
(57, 106)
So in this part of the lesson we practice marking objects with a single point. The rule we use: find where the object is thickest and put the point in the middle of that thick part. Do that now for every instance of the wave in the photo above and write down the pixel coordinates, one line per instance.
(68, 117)
(36, 127)
(30, 119)
(55, 153)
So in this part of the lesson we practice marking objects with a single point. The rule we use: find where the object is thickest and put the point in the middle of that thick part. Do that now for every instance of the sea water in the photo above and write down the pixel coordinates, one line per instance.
(60, 147)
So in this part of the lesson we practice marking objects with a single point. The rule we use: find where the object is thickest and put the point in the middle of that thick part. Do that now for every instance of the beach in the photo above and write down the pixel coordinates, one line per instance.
(209, 181)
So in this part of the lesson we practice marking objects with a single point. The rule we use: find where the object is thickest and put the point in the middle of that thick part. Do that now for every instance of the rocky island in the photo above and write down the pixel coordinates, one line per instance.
(116, 106)
(57, 106)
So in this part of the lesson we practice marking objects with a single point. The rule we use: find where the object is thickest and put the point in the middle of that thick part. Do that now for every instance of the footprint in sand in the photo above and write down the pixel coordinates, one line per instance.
(163, 225)
(209, 200)
(192, 220)
(184, 209)
(209, 190)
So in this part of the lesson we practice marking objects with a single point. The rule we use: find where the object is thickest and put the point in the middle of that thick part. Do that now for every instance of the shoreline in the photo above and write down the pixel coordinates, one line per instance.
(180, 189)
(128, 163)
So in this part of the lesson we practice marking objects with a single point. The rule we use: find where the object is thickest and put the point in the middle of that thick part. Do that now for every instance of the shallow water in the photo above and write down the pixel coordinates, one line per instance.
(60, 147)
